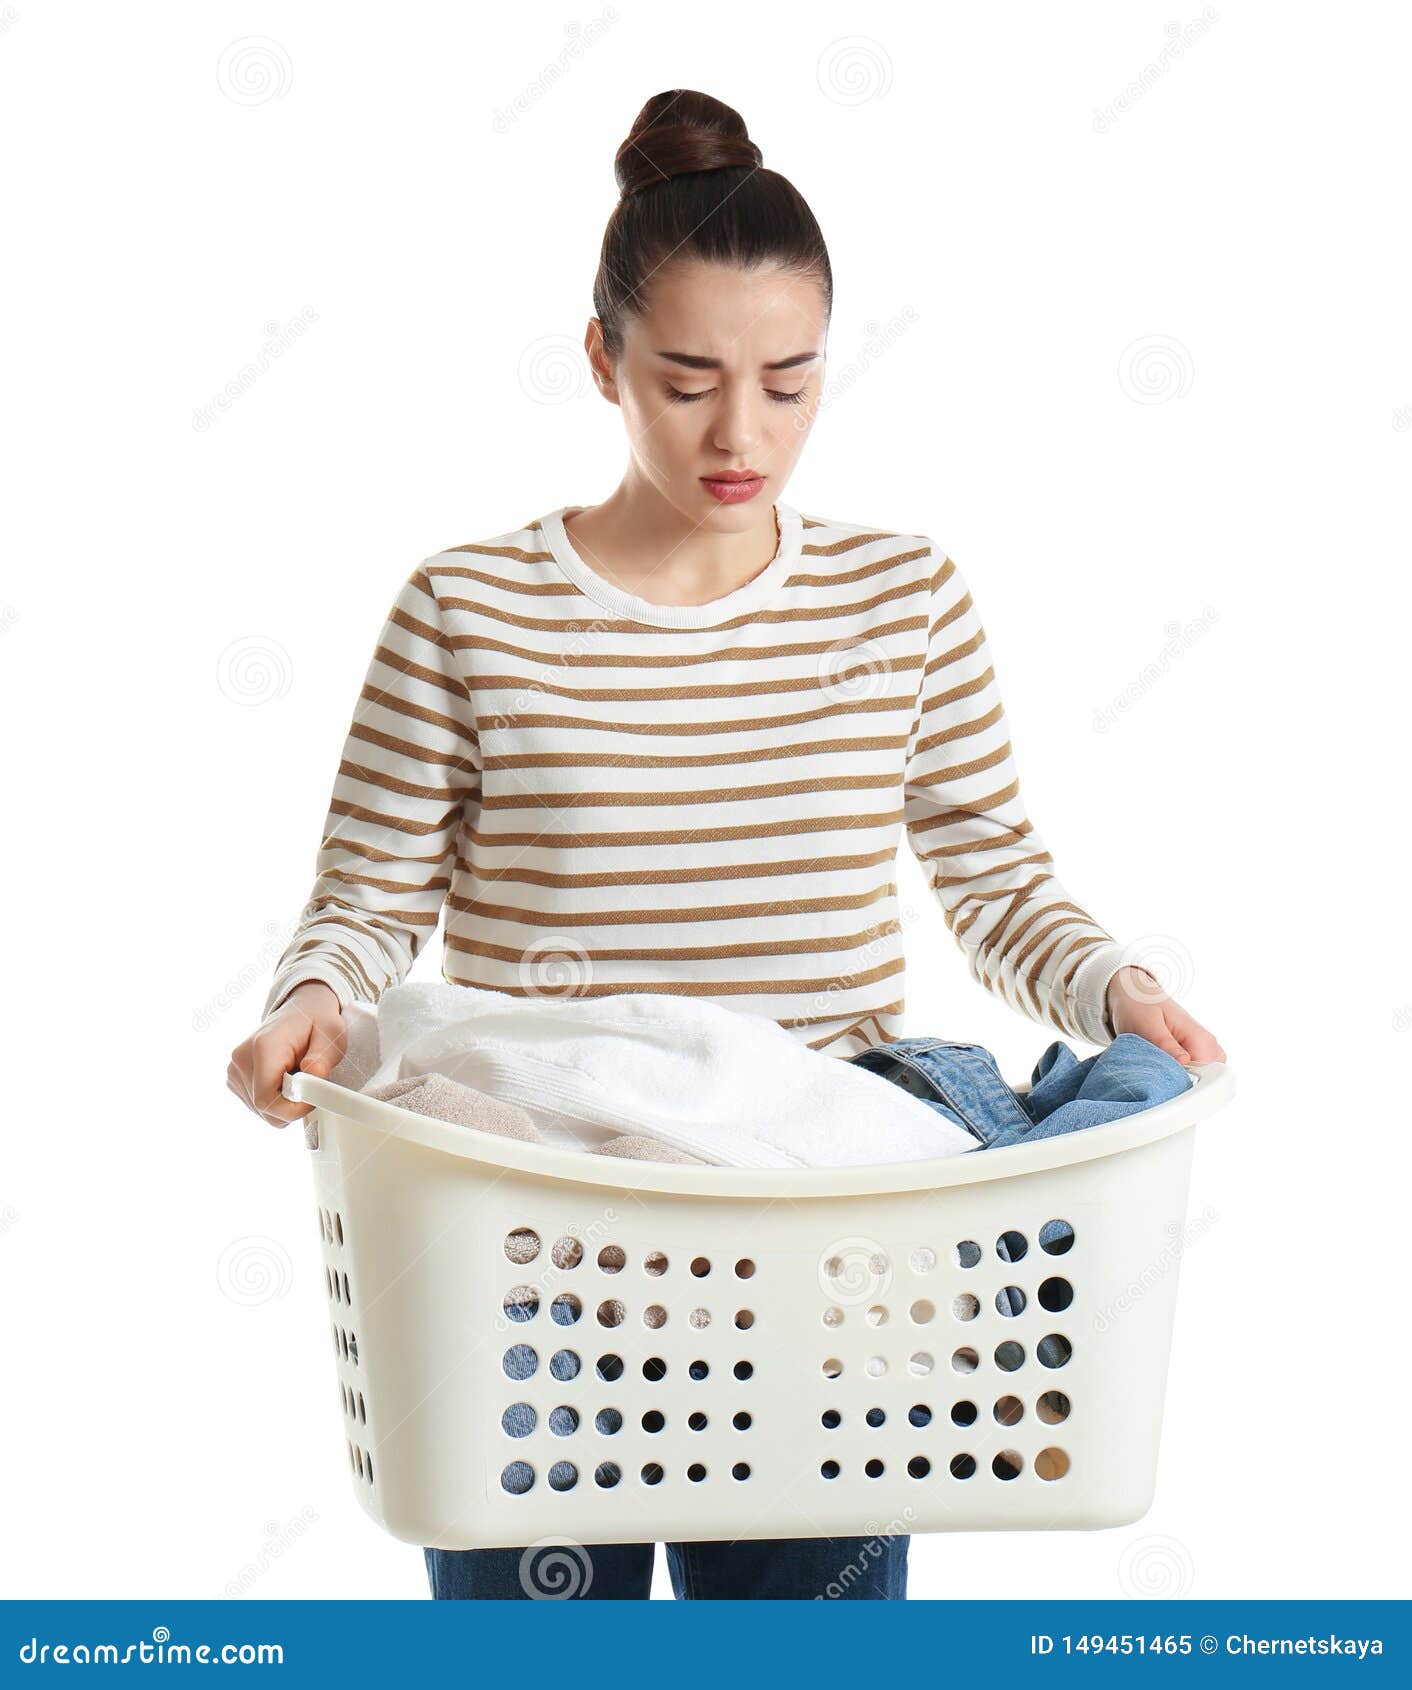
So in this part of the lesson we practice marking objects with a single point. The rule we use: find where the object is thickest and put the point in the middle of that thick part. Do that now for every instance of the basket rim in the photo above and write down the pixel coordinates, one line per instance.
(1213, 1085)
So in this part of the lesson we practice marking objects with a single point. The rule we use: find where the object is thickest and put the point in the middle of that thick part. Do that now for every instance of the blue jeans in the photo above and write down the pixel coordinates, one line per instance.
(761, 1569)
(963, 1083)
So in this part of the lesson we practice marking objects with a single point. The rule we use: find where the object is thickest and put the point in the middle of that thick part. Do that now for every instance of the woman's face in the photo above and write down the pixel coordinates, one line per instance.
(722, 372)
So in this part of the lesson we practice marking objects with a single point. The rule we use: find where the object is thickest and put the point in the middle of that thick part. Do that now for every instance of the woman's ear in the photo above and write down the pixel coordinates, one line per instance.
(599, 362)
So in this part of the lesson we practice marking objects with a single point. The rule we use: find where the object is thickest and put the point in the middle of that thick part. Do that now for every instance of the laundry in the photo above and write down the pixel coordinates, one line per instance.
(726, 1087)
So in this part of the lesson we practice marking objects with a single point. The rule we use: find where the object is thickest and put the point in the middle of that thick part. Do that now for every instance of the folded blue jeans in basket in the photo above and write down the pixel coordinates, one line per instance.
(748, 1569)
(963, 1083)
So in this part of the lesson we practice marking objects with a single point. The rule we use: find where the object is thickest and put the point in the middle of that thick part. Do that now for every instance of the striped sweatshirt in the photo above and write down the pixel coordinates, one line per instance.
(605, 794)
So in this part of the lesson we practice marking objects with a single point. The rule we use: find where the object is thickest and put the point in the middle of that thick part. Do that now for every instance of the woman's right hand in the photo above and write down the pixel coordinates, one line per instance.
(306, 1032)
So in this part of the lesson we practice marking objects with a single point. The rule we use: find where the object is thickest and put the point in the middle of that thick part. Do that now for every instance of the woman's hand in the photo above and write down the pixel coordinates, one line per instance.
(306, 1032)
(1137, 1004)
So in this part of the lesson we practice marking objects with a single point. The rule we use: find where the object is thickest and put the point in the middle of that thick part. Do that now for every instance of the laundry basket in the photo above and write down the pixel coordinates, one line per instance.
(534, 1342)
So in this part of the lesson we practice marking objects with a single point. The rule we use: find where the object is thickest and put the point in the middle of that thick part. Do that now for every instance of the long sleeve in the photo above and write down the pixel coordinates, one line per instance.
(1024, 937)
(410, 767)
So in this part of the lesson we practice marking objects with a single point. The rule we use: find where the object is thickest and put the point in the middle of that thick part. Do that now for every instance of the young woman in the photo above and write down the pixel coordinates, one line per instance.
(668, 742)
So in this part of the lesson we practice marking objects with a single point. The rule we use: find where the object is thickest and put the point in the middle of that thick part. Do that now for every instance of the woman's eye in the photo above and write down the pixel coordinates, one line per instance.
(677, 396)
(685, 398)
(787, 398)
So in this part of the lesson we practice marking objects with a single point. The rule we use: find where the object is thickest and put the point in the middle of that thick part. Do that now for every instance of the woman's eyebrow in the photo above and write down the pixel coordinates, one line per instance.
(693, 362)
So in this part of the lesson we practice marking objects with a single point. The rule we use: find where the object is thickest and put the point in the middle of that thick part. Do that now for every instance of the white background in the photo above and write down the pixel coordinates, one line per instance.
(1124, 329)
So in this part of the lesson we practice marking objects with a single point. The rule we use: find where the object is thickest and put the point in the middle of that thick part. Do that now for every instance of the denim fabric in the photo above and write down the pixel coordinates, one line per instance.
(759, 1569)
(962, 1082)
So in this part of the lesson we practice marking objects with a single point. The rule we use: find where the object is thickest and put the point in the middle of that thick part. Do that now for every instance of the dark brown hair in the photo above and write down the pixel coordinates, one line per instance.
(693, 187)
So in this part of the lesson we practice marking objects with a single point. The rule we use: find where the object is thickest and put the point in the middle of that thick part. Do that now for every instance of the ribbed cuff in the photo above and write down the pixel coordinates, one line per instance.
(1088, 996)
(300, 974)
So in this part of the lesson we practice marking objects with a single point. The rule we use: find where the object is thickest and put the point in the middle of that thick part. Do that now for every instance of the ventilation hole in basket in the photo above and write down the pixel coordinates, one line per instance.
(1009, 1356)
(742, 1420)
(745, 1268)
(1012, 1246)
(654, 1420)
(519, 1420)
(328, 1283)
(564, 1364)
(919, 1414)
(922, 1312)
(611, 1312)
(874, 1468)
(963, 1413)
(876, 1416)
(521, 1303)
(563, 1475)
(362, 1410)
(338, 1227)
(1054, 1351)
(654, 1263)
(522, 1245)
(878, 1264)
(833, 1267)
(607, 1474)
(343, 1397)
(335, 1341)
(565, 1309)
(343, 1339)
(1051, 1463)
(741, 1470)
(608, 1421)
(965, 1306)
(877, 1315)
(352, 1463)
(1007, 1464)
(1010, 1300)
(358, 1460)
(353, 1348)
(1009, 1411)
(563, 1421)
(652, 1473)
(654, 1370)
(833, 1317)
(920, 1363)
(700, 1319)
(918, 1467)
(963, 1466)
(699, 1369)
(654, 1316)
(745, 1319)
(697, 1421)
(520, 1361)
(610, 1367)
(964, 1360)
(1056, 1295)
(875, 1366)
(347, 1292)
(370, 1466)
(746, 1369)
(700, 1267)
(831, 1418)
(829, 1469)
(968, 1253)
(1052, 1408)
(696, 1472)
(612, 1258)
(1056, 1238)
(323, 1227)
(922, 1260)
(517, 1478)
(566, 1252)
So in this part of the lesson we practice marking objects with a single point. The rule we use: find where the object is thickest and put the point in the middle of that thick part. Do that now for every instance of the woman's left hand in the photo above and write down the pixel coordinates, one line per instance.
(1137, 1004)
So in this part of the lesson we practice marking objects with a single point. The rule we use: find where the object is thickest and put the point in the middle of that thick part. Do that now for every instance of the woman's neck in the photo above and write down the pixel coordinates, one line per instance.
(645, 546)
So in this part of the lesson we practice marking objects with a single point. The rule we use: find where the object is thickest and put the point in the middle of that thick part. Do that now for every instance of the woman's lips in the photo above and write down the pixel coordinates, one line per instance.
(730, 490)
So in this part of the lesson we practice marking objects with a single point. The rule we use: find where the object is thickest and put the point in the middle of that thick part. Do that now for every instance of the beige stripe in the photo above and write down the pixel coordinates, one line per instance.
(652, 695)
(815, 945)
(701, 760)
(400, 824)
(696, 988)
(690, 835)
(528, 799)
(678, 876)
(640, 917)
(742, 724)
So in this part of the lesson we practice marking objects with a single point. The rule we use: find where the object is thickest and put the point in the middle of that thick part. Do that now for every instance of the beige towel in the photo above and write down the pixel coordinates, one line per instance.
(448, 1100)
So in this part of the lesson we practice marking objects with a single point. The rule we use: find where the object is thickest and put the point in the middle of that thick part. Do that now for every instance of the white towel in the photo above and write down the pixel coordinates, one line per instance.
(733, 1088)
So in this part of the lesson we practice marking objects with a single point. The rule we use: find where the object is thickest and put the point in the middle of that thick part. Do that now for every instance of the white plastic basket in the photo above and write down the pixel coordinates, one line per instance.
(785, 1354)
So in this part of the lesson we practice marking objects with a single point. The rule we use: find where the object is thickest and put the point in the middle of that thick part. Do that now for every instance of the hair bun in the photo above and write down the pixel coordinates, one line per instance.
(678, 133)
